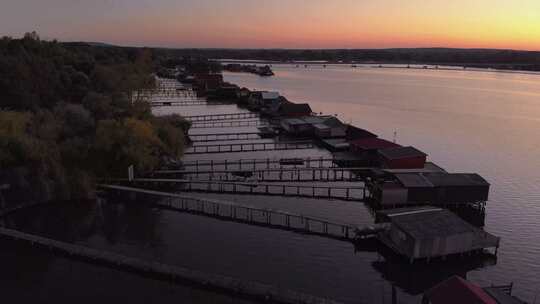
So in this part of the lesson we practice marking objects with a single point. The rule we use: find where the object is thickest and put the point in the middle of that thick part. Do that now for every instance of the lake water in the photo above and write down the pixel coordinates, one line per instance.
(466, 121)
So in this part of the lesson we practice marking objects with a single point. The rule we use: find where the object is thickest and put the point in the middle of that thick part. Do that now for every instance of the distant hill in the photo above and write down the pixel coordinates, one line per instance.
(101, 44)
(486, 58)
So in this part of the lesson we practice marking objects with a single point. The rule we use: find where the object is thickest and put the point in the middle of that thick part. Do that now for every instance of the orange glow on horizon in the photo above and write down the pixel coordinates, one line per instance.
(505, 24)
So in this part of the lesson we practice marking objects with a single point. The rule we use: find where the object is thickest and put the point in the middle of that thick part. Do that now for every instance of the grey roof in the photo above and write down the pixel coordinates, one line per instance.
(269, 95)
(431, 224)
(501, 297)
(333, 122)
(413, 180)
(440, 179)
(294, 121)
(314, 119)
(401, 152)
(456, 179)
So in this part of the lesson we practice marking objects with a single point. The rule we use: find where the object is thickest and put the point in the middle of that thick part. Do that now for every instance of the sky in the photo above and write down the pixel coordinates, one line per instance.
(507, 24)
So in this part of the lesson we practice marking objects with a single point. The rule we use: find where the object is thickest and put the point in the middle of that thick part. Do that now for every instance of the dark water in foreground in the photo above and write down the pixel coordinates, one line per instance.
(466, 121)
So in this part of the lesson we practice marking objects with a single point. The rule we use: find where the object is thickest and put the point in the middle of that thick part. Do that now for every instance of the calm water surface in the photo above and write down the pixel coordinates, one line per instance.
(467, 121)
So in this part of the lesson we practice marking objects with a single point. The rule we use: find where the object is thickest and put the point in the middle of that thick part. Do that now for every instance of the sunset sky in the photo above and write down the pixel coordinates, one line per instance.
(280, 23)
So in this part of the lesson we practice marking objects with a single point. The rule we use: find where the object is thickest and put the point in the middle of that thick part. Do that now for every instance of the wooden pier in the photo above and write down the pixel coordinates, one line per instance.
(273, 174)
(188, 102)
(219, 117)
(338, 192)
(249, 147)
(224, 136)
(253, 164)
(248, 214)
(229, 124)
(166, 272)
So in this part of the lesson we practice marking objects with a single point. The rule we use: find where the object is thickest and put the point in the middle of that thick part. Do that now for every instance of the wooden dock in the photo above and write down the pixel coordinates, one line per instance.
(224, 136)
(229, 124)
(219, 117)
(336, 192)
(248, 214)
(166, 272)
(249, 147)
(188, 102)
(273, 174)
(253, 164)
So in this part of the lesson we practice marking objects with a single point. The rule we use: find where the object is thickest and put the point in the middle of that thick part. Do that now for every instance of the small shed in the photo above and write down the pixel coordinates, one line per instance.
(435, 232)
(444, 188)
(295, 126)
(331, 127)
(403, 158)
(289, 109)
(459, 187)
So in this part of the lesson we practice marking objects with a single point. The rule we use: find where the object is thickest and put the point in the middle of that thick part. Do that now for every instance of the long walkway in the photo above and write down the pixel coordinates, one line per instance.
(165, 272)
(255, 215)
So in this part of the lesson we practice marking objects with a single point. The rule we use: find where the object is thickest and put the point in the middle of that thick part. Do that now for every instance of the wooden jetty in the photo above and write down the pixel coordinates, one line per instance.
(229, 124)
(219, 117)
(257, 163)
(347, 193)
(166, 272)
(256, 215)
(274, 174)
(224, 136)
(188, 102)
(249, 147)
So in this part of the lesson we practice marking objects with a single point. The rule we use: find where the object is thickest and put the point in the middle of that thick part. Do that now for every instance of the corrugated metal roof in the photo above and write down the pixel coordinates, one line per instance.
(413, 180)
(433, 224)
(456, 179)
(401, 152)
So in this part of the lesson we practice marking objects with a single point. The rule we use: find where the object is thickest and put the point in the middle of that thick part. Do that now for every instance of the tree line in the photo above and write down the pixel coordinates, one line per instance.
(67, 116)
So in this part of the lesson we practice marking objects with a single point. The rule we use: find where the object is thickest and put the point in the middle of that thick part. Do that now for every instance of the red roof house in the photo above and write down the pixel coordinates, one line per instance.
(371, 144)
(403, 158)
(457, 290)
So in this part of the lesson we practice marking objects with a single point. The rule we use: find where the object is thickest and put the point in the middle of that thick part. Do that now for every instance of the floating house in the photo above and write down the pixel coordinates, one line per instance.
(436, 188)
(402, 158)
(295, 126)
(355, 133)
(331, 127)
(458, 290)
(433, 232)
(208, 82)
(263, 99)
(371, 144)
(288, 109)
